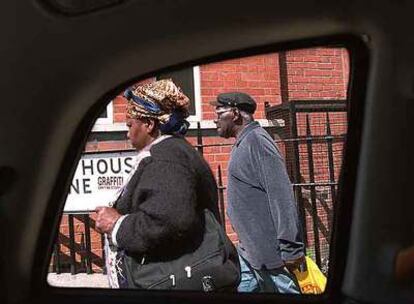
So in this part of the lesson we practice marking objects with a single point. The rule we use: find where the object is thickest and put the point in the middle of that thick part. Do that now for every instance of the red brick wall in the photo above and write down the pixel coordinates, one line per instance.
(119, 105)
(320, 73)
(257, 76)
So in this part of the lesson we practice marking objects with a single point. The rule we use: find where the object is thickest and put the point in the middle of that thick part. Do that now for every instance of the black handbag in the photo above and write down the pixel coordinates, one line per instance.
(213, 266)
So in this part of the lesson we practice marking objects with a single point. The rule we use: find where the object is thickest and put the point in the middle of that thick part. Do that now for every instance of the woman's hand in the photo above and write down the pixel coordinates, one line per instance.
(106, 219)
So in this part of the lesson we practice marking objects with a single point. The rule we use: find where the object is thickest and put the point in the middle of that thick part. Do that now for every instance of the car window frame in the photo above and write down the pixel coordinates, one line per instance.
(358, 75)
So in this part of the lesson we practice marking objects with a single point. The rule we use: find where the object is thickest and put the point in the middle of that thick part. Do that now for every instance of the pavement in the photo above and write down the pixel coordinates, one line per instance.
(95, 280)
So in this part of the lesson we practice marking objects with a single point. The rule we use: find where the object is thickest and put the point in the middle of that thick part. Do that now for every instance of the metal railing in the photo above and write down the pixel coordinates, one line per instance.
(72, 251)
(313, 148)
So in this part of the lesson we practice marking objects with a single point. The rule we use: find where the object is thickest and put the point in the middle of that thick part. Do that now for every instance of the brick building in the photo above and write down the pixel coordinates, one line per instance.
(272, 79)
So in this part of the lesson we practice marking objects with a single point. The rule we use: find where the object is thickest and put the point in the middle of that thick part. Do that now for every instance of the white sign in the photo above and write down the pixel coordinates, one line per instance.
(97, 179)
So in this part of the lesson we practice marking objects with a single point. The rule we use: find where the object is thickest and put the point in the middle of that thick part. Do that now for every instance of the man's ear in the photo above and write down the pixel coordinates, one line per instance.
(236, 115)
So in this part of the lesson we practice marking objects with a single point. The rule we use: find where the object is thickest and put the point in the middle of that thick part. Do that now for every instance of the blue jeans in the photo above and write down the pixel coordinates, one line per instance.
(274, 280)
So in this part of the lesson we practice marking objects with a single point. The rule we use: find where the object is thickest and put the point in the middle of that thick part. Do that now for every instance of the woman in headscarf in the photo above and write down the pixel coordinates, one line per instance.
(158, 214)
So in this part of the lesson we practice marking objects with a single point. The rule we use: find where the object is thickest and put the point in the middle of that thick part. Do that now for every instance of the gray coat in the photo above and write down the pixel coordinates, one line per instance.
(261, 204)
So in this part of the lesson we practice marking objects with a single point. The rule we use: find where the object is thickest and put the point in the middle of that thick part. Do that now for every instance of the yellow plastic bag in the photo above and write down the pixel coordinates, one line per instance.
(311, 281)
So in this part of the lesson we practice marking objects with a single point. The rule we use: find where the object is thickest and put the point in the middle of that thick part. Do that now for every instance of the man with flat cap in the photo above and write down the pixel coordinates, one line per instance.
(261, 205)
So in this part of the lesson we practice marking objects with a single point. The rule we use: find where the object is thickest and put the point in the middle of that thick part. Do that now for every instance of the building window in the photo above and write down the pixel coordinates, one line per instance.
(106, 117)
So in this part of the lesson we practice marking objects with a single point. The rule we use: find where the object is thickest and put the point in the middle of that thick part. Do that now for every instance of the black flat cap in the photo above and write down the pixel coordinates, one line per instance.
(239, 100)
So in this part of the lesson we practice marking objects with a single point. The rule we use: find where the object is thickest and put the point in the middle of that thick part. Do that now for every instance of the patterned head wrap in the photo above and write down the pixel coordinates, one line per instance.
(161, 100)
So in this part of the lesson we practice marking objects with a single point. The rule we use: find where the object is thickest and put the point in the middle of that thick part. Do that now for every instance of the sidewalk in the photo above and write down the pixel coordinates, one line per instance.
(96, 280)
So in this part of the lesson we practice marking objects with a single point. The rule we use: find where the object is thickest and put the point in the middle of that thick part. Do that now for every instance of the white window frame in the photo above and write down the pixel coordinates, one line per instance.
(109, 120)
(197, 96)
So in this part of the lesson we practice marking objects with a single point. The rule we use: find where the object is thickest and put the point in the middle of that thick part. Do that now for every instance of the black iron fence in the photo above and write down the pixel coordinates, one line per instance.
(73, 251)
(310, 135)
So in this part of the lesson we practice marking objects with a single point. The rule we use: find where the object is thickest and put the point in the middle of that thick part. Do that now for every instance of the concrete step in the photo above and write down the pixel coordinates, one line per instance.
(95, 280)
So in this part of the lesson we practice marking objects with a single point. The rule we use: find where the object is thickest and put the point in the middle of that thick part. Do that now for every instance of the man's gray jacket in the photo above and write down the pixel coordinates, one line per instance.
(261, 204)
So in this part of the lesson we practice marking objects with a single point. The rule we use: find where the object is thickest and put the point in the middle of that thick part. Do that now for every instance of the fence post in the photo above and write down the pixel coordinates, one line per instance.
(72, 245)
(221, 198)
(56, 255)
(329, 139)
(297, 175)
(199, 139)
(82, 251)
(313, 192)
(87, 227)
(104, 270)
